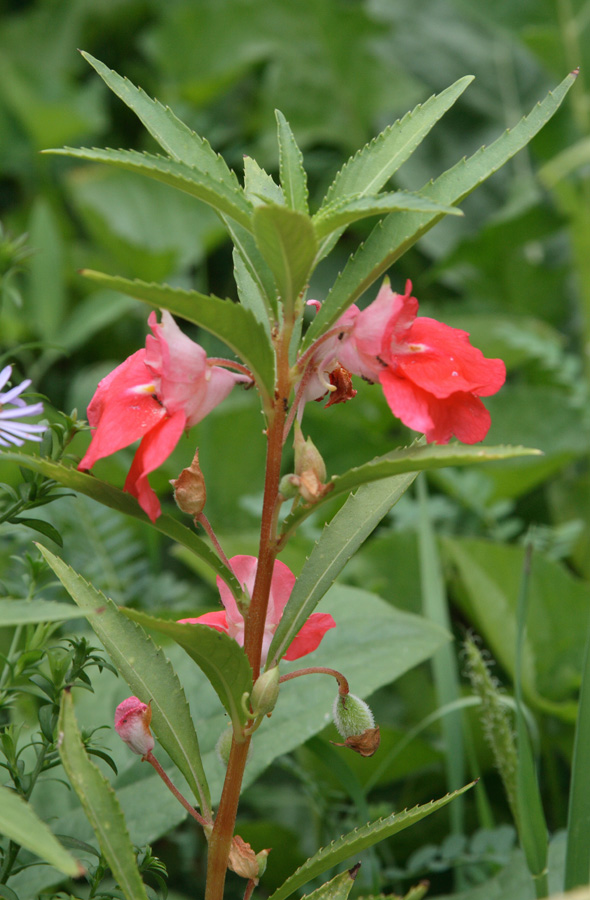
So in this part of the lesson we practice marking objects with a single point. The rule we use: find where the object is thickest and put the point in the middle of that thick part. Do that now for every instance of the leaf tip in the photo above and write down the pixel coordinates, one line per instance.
(354, 871)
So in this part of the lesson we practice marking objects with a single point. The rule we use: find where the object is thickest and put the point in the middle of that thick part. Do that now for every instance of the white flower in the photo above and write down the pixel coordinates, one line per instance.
(12, 409)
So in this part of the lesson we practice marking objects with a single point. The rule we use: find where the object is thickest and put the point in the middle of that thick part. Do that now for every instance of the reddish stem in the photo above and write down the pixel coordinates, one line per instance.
(343, 688)
(229, 364)
(204, 521)
(149, 757)
(249, 888)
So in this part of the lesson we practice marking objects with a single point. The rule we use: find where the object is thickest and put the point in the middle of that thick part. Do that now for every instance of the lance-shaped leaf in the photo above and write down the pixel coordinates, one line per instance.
(147, 672)
(218, 655)
(358, 840)
(287, 242)
(26, 612)
(259, 186)
(368, 170)
(292, 173)
(339, 215)
(257, 270)
(225, 200)
(231, 322)
(116, 499)
(337, 888)
(409, 459)
(351, 525)
(21, 824)
(100, 804)
(176, 138)
(399, 231)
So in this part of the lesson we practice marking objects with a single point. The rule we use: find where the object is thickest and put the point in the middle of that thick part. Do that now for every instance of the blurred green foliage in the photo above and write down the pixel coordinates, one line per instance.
(514, 272)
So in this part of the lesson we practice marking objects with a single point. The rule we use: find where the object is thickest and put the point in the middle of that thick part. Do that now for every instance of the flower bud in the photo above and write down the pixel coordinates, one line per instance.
(265, 692)
(132, 724)
(289, 486)
(262, 858)
(242, 859)
(223, 746)
(308, 458)
(352, 716)
(189, 489)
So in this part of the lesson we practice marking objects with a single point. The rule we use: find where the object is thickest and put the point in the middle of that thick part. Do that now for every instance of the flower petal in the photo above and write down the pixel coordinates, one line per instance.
(216, 620)
(310, 636)
(156, 446)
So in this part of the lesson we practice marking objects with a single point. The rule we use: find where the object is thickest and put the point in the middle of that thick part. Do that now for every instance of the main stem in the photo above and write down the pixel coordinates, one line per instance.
(223, 830)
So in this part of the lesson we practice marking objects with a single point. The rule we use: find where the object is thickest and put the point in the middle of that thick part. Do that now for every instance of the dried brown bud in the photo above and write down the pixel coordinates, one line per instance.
(242, 859)
(189, 489)
(366, 744)
(308, 458)
(341, 380)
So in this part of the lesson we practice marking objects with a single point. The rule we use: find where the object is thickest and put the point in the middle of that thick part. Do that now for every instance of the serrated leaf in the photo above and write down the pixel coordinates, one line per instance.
(257, 269)
(147, 672)
(259, 186)
(370, 168)
(100, 805)
(399, 231)
(337, 888)
(24, 612)
(114, 498)
(21, 824)
(339, 215)
(218, 655)
(231, 322)
(227, 201)
(360, 839)
(287, 241)
(292, 173)
(340, 539)
(414, 459)
(249, 292)
(176, 138)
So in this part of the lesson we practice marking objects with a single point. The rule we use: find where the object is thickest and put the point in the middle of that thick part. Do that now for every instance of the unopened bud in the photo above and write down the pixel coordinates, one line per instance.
(262, 858)
(189, 489)
(352, 715)
(242, 859)
(308, 458)
(223, 746)
(132, 724)
(265, 692)
(289, 486)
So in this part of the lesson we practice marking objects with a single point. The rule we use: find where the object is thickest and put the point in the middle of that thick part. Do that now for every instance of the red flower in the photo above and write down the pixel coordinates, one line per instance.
(132, 724)
(231, 620)
(431, 376)
(154, 395)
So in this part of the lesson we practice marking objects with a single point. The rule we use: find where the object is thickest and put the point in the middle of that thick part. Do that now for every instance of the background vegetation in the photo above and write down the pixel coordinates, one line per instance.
(515, 272)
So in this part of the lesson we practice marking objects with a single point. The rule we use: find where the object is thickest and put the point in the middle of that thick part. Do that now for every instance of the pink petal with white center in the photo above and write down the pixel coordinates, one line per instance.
(156, 446)
(310, 636)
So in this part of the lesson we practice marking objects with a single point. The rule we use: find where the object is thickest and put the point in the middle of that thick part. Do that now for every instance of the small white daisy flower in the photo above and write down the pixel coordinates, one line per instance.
(12, 409)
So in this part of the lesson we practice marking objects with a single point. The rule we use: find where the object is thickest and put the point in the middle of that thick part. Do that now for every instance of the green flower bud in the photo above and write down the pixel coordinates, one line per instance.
(265, 692)
(352, 716)
(289, 486)
(223, 746)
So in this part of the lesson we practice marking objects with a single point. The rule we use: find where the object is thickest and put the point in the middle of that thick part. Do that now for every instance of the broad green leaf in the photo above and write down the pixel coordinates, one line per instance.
(355, 841)
(23, 612)
(226, 201)
(293, 175)
(259, 186)
(100, 804)
(337, 216)
(21, 824)
(147, 672)
(218, 655)
(399, 231)
(340, 539)
(176, 138)
(368, 170)
(287, 242)
(231, 322)
(337, 888)
(116, 499)
(413, 459)
(577, 864)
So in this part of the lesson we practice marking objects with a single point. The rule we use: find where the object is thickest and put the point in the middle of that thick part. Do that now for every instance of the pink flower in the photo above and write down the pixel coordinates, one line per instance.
(324, 373)
(132, 724)
(231, 620)
(431, 376)
(154, 395)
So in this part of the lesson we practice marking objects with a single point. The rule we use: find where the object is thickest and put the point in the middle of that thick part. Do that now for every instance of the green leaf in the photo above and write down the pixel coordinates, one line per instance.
(349, 528)
(22, 825)
(287, 242)
(337, 888)
(250, 292)
(23, 612)
(355, 841)
(114, 498)
(226, 201)
(259, 186)
(413, 459)
(293, 175)
(399, 231)
(176, 138)
(257, 269)
(577, 863)
(231, 322)
(100, 805)
(41, 526)
(370, 168)
(218, 655)
(147, 672)
(337, 216)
